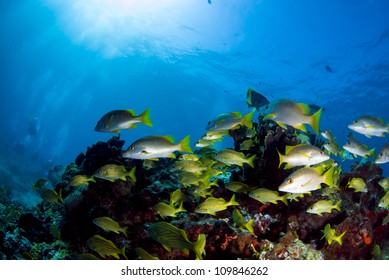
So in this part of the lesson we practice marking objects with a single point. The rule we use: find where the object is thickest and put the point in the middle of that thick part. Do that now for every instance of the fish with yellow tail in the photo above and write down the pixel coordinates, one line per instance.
(323, 206)
(287, 112)
(358, 149)
(233, 120)
(117, 120)
(302, 154)
(239, 221)
(104, 247)
(255, 99)
(330, 235)
(230, 157)
(264, 195)
(154, 147)
(212, 205)
(113, 172)
(370, 126)
(168, 210)
(79, 180)
(357, 184)
(384, 183)
(172, 237)
(52, 196)
(107, 224)
(144, 255)
(306, 179)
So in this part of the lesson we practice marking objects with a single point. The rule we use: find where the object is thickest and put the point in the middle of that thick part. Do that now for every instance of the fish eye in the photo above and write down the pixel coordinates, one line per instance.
(132, 148)
(381, 154)
(144, 152)
(290, 181)
(209, 123)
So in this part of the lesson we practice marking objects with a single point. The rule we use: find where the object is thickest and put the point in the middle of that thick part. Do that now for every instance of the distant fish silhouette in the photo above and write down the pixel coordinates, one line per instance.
(329, 69)
(255, 99)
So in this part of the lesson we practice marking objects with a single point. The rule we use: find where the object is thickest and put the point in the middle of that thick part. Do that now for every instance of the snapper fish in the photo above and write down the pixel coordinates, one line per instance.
(117, 120)
(370, 126)
(264, 195)
(107, 224)
(384, 183)
(306, 179)
(105, 247)
(357, 184)
(302, 155)
(357, 148)
(383, 156)
(168, 210)
(79, 180)
(112, 172)
(287, 112)
(212, 205)
(384, 201)
(233, 120)
(330, 235)
(323, 206)
(229, 157)
(172, 237)
(255, 99)
(154, 147)
(239, 221)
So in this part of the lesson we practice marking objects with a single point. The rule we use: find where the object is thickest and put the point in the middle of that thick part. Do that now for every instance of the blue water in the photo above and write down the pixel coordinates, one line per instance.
(66, 63)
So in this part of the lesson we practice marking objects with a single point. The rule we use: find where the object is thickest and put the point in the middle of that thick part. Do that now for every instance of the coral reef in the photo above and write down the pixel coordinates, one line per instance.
(61, 230)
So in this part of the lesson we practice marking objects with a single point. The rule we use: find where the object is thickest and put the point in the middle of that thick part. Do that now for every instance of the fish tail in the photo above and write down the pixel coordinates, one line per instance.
(123, 251)
(233, 201)
(372, 153)
(281, 156)
(181, 207)
(145, 118)
(329, 177)
(92, 179)
(124, 231)
(315, 120)
(284, 199)
(337, 205)
(247, 119)
(185, 145)
(250, 161)
(249, 226)
(132, 174)
(199, 246)
(339, 238)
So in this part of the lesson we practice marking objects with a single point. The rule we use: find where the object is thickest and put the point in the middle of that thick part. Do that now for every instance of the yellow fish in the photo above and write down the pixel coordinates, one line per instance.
(229, 157)
(212, 205)
(239, 187)
(112, 172)
(105, 247)
(50, 195)
(357, 184)
(177, 197)
(323, 206)
(238, 219)
(144, 255)
(172, 237)
(384, 201)
(168, 210)
(107, 224)
(40, 184)
(330, 235)
(264, 195)
(79, 180)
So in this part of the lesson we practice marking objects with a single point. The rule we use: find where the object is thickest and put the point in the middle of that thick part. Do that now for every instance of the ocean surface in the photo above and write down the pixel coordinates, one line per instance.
(66, 63)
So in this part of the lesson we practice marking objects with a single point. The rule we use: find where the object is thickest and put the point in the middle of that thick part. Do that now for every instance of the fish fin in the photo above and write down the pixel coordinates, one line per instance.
(123, 178)
(329, 176)
(315, 119)
(153, 159)
(60, 199)
(250, 161)
(248, 97)
(304, 108)
(171, 155)
(132, 112)
(133, 126)
(247, 119)
(199, 246)
(372, 153)
(269, 116)
(185, 145)
(289, 148)
(249, 225)
(282, 125)
(124, 231)
(339, 238)
(301, 127)
(337, 205)
(281, 157)
(181, 207)
(284, 199)
(169, 138)
(116, 131)
(92, 179)
(123, 251)
(166, 247)
(236, 114)
(288, 166)
(132, 174)
(232, 201)
(145, 118)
